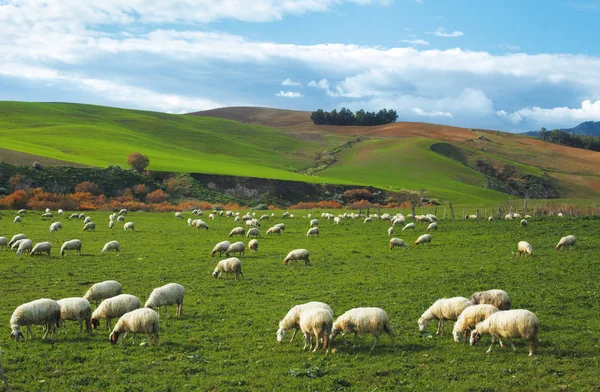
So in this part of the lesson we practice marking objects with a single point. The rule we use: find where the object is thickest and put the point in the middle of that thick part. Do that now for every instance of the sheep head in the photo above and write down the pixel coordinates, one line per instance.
(114, 337)
(16, 335)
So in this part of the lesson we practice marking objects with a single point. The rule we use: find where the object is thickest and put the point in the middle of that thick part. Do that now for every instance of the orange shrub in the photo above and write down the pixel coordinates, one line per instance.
(141, 190)
(158, 196)
(14, 201)
(88, 186)
(328, 204)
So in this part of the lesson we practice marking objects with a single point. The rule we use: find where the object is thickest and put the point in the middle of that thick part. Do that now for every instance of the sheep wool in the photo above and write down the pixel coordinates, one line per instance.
(169, 294)
(71, 245)
(16, 238)
(508, 324)
(221, 247)
(236, 247)
(312, 231)
(41, 247)
(432, 226)
(443, 309)
(316, 323)
(524, 247)
(90, 226)
(103, 290)
(423, 239)
(397, 242)
(297, 254)
(114, 307)
(3, 243)
(24, 246)
(56, 226)
(410, 226)
(469, 318)
(253, 232)
(363, 320)
(111, 245)
(253, 245)
(292, 318)
(142, 320)
(237, 231)
(231, 265)
(43, 311)
(128, 225)
(495, 297)
(566, 241)
(76, 309)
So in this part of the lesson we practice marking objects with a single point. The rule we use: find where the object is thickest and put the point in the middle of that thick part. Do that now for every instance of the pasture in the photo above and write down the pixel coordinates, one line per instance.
(225, 339)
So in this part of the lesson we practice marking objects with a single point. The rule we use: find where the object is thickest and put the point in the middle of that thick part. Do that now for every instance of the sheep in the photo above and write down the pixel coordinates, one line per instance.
(253, 245)
(390, 231)
(397, 242)
(121, 218)
(169, 294)
(128, 225)
(76, 309)
(568, 240)
(17, 219)
(221, 247)
(432, 226)
(523, 223)
(285, 215)
(527, 217)
(363, 320)
(16, 238)
(178, 215)
(410, 226)
(90, 226)
(253, 223)
(316, 322)
(81, 216)
(560, 215)
(265, 217)
(24, 246)
(423, 239)
(41, 247)
(43, 311)
(74, 216)
(469, 318)
(495, 297)
(297, 254)
(433, 218)
(56, 226)
(524, 247)
(199, 224)
(337, 220)
(47, 215)
(137, 321)
(71, 245)
(274, 230)
(368, 220)
(15, 245)
(292, 318)
(443, 309)
(281, 226)
(114, 307)
(111, 245)
(398, 221)
(253, 232)
(103, 290)
(230, 265)
(518, 323)
(22, 211)
(48, 211)
(237, 231)
(211, 216)
(189, 222)
(87, 219)
(60, 212)
(236, 247)
(3, 243)
(236, 219)
(314, 223)
(490, 219)
(111, 224)
(123, 211)
(312, 231)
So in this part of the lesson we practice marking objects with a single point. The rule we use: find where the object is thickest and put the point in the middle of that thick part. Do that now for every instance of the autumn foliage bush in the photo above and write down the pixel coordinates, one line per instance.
(330, 204)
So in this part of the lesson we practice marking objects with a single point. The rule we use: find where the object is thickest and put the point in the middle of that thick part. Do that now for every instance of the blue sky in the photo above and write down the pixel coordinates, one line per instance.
(509, 65)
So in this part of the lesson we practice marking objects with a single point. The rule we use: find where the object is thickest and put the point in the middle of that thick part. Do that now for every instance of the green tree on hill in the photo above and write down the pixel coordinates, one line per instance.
(137, 161)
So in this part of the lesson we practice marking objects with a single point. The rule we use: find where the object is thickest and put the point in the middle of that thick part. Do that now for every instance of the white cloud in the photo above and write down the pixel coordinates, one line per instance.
(559, 116)
(441, 32)
(435, 113)
(322, 84)
(289, 94)
(290, 82)
(416, 42)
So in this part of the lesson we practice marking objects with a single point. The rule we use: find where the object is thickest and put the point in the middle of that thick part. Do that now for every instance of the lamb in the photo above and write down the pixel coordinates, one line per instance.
(297, 254)
(568, 240)
(47, 215)
(178, 215)
(496, 298)
(74, 216)
(15, 238)
(314, 223)
(316, 322)
(56, 226)
(221, 247)
(121, 218)
(41, 247)
(363, 320)
(432, 226)
(114, 307)
(230, 265)
(76, 309)
(292, 318)
(71, 245)
(253, 245)
(111, 224)
(60, 212)
(274, 230)
(237, 231)
(17, 219)
(137, 321)
(169, 294)
(253, 232)
(469, 318)
(443, 309)
(337, 220)
(423, 239)
(312, 231)
(39, 312)
(103, 290)
(15, 245)
(111, 245)
(90, 226)
(518, 323)
(397, 242)
(524, 247)
(3, 243)
(24, 246)
(410, 226)
(236, 247)
(87, 219)
(390, 231)
(22, 211)
(128, 225)
(523, 223)
(123, 211)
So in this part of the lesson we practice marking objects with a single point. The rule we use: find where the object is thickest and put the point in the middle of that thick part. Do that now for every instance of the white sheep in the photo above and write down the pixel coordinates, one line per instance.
(285, 215)
(71, 245)
(560, 215)
(524, 247)
(432, 226)
(111, 245)
(15, 245)
(490, 219)
(264, 217)
(48, 211)
(337, 220)
(253, 245)
(274, 230)
(22, 212)
(316, 322)
(3, 243)
(236, 247)
(237, 231)
(423, 239)
(211, 216)
(60, 212)
(443, 309)
(409, 226)
(312, 231)
(111, 224)
(314, 223)
(87, 219)
(523, 223)
(297, 254)
(24, 246)
(17, 219)
(114, 307)
(76, 309)
(90, 226)
(16, 238)
(398, 221)
(81, 216)
(128, 225)
(494, 297)
(390, 231)
(469, 318)
(56, 226)
(508, 324)
(231, 265)
(236, 219)
(363, 320)
(41, 247)
(568, 240)
(368, 220)
(137, 321)
(281, 226)
(74, 216)
(199, 224)
(121, 218)
(123, 211)
(292, 318)
(221, 247)
(397, 242)
(47, 215)
(169, 294)
(178, 215)
(253, 232)
(103, 290)
(44, 311)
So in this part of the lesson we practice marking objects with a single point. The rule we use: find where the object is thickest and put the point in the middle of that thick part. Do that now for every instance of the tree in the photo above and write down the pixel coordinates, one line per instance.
(137, 161)
(88, 186)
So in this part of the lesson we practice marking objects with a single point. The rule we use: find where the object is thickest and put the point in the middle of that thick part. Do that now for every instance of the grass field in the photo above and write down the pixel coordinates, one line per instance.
(225, 339)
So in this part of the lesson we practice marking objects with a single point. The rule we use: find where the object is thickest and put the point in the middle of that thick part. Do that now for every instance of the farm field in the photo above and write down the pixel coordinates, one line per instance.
(225, 339)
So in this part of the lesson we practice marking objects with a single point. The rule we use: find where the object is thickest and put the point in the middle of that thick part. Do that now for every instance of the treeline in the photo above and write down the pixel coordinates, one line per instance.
(347, 117)
(571, 140)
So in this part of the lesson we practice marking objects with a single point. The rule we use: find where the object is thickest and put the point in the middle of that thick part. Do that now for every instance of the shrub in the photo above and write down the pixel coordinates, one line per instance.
(138, 161)
(156, 197)
(88, 186)
(358, 194)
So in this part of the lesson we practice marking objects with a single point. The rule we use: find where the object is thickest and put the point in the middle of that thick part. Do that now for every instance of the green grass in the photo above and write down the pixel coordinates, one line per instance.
(226, 337)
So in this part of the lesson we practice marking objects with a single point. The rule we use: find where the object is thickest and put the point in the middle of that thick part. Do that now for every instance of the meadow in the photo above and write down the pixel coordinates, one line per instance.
(225, 339)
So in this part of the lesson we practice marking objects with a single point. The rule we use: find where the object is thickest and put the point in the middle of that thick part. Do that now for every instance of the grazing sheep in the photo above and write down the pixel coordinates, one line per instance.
(523, 223)
(236, 247)
(274, 230)
(490, 219)
(368, 220)
(568, 240)
(398, 221)
(316, 322)
(178, 215)
(560, 215)
(74, 216)
(56, 226)
(469, 318)
(237, 231)
(231, 265)
(103, 290)
(47, 215)
(221, 247)
(508, 324)
(390, 231)
(281, 226)
(169, 294)
(297, 254)
(60, 212)
(76, 309)
(121, 218)
(22, 211)
(48, 211)
(16, 238)
(123, 211)
(237, 219)
(432, 226)
(264, 217)
(114, 307)
(312, 231)
(111, 245)
(443, 309)
(199, 224)
(87, 219)
(17, 219)
(397, 242)
(71, 245)
(3, 243)
(314, 223)
(24, 246)
(90, 226)
(285, 215)
(15, 245)
(137, 321)
(128, 225)
(211, 216)
(337, 220)
(495, 297)
(363, 320)
(524, 247)
(41, 247)
(111, 224)
(253, 232)
(81, 216)
(43, 311)
(410, 226)
(423, 239)
(292, 318)
(253, 245)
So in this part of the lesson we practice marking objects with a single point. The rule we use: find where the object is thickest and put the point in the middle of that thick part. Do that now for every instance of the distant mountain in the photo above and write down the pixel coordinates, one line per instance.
(588, 128)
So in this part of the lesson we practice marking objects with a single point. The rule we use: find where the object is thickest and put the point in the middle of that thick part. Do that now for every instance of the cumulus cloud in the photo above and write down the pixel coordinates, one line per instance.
(322, 84)
(441, 32)
(435, 113)
(289, 82)
(416, 42)
(289, 94)
(589, 111)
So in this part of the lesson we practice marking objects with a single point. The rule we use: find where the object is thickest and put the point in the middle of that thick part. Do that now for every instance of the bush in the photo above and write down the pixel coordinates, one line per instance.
(89, 187)
(138, 161)
(157, 197)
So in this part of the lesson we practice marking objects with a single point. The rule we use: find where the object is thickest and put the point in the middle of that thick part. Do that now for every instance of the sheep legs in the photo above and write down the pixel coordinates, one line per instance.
(440, 325)
(375, 342)
(491, 345)
(179, 306)
(293, 335)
